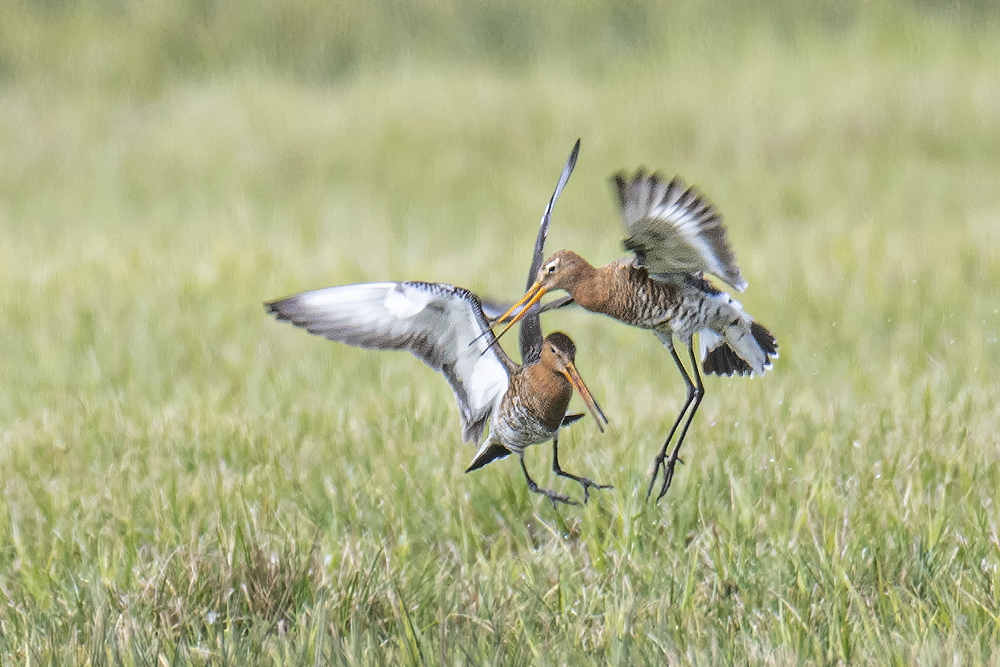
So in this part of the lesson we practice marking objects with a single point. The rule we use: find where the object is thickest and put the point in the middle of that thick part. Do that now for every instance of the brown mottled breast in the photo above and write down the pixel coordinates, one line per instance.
(544, 392)
(627, 293)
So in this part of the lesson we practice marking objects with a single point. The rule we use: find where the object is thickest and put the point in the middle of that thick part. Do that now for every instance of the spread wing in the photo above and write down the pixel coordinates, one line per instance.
(440, 324)
(674, 229)
(531, 325)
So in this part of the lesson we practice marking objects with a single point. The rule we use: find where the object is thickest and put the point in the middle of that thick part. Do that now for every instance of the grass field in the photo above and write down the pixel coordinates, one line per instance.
(187, 481)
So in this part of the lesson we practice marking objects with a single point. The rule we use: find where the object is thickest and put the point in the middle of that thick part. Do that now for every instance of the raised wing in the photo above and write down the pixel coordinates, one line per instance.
(531, 325)
(674, 229)
(440, 324)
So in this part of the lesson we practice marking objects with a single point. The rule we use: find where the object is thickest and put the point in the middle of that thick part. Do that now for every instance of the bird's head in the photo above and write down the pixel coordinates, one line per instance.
(559, 354)
(562, 270)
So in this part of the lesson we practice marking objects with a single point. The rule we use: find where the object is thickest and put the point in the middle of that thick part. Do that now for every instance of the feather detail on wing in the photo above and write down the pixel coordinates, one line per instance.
(440, 324)
(674, 229)
(531, 324)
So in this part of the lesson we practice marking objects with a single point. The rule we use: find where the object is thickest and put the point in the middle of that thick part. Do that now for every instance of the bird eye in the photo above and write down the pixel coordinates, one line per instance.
(552, 269)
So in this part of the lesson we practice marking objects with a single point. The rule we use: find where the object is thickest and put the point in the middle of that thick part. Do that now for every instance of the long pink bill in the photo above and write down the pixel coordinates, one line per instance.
(574, 379)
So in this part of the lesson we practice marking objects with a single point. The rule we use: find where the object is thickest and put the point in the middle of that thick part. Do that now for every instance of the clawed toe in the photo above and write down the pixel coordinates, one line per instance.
(589, 484)
(556, 498)
(668, 477)
(548, 493)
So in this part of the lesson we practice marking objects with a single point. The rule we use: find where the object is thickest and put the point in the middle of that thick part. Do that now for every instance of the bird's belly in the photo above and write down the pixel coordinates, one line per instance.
(692, 312)
(683, 324)
(673, 321)
(517, 428)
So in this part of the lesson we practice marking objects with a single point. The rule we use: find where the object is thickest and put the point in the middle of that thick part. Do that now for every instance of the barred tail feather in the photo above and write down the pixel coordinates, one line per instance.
(738, 352)
(724, 361)
(765, 339)
(717, 357)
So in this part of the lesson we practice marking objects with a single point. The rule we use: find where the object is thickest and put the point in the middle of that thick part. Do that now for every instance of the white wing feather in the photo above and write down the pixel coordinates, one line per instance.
(440, 324)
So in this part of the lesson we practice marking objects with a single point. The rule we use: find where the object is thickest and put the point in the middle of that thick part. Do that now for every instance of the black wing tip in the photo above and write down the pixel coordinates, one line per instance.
(623, 183)
(280, 308)
(691, 197)
(575, 153)
(490, 454)
(653, 194)
(623, 179)
(619, 181)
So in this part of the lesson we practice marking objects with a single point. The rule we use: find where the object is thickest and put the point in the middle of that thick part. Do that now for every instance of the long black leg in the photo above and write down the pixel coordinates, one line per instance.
(586, 483)
(699, 393)
(662, 455)
(534, 488)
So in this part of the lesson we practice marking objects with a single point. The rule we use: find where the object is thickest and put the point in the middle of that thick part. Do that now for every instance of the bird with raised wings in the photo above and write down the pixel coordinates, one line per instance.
(676, 236)
(444, 326)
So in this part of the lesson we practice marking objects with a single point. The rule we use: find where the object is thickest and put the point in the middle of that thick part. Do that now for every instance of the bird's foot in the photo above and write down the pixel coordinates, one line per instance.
(668, 475)
(661, 461)
(587, 484)
(551, 495)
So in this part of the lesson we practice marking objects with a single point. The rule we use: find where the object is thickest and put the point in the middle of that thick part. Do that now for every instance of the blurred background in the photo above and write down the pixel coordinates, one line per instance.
(165, 167)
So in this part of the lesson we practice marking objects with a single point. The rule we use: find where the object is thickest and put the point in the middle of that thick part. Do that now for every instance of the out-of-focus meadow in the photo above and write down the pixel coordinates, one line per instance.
(185, 480)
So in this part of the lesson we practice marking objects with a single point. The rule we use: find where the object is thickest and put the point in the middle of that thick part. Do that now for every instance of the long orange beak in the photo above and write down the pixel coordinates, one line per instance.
(531, 297)
(574, 379)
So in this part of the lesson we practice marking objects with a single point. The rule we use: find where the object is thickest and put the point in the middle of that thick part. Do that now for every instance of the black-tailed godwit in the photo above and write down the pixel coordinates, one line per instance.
(439, 324)
(676, 237)
(445, 327)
